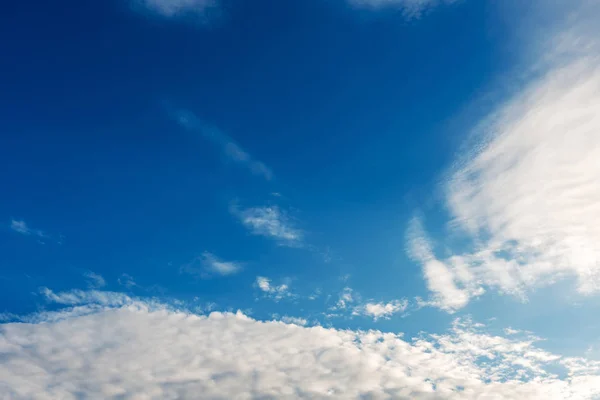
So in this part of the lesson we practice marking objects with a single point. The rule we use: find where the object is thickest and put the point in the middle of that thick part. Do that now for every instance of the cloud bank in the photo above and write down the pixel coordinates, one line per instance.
(136, 351)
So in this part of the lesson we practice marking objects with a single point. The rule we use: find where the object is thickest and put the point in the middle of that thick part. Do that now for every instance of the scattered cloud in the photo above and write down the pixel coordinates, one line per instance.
(275, 292)
(108, 353)
(207, 265)
(228, 146)
(271, 222)
(127, 281)
(381, 309)
(95, 281)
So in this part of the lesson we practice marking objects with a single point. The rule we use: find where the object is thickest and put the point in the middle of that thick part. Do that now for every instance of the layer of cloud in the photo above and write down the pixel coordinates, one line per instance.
(228, 146)
(381, 309)
(271, 222)
(527, 197)
(137, 352)
(273, 291)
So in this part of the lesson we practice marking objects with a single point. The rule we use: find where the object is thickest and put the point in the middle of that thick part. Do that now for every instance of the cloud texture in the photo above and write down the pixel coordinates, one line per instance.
(141, 352)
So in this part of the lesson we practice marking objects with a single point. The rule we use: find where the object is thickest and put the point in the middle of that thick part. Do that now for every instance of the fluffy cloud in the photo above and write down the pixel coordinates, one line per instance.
(276, 292)
(381, 309)
(270, 222)
(228, 146)
(527, 196)
(208, 265)
(139, 352)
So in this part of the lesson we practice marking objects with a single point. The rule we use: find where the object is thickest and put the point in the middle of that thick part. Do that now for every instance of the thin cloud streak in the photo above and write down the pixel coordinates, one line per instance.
(228, 146)
(269, 221)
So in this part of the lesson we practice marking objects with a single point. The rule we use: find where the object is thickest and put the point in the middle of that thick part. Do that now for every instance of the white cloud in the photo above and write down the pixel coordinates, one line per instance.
(80, 297)
(527, 197)
(271, 222)
(138, 352)
(410, 8)
(344, 299)
(127, 281)
(381, 309)
(276, 292)
(208, 265)
(21, 227)
(95, 280)
(176, 8)
(294, 320)
(230, 148)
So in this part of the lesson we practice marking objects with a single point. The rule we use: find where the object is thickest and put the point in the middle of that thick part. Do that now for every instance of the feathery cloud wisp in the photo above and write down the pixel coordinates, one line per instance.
(208, 265)
(228, 146)
(271, 222)
(527, 196)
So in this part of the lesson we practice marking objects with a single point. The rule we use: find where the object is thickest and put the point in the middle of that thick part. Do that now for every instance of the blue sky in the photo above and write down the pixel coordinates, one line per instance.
(390, 165)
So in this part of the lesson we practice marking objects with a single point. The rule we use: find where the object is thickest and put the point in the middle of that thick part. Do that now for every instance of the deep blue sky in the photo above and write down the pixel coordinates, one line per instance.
(356, 112)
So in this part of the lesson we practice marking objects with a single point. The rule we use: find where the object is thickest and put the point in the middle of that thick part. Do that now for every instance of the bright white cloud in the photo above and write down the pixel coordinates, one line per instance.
(381, 309)
(208, 265)
(276, 292)
(137, 352)
(176, 8)
(528, 196)
(271, 222)
(95, 281)
(228, 146)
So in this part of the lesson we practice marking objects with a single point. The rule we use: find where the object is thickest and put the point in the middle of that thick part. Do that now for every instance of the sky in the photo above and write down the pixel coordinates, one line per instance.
(300, 199)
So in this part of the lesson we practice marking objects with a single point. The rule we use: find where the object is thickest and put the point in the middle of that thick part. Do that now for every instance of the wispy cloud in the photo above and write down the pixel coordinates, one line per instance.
(275, 292)
(21, 227)
(270, 221)
(381, 309)
(228, 146)
(410, 8)
(94, 280)
(99, 347)
(177, 8)
(207, 265)
(127, 281)
(527, 196)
